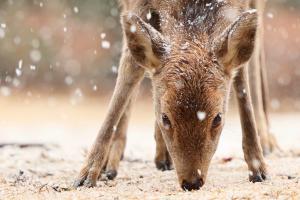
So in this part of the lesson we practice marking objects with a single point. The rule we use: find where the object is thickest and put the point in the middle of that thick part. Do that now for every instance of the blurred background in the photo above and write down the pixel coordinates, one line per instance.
(73, 47)
(59, 62)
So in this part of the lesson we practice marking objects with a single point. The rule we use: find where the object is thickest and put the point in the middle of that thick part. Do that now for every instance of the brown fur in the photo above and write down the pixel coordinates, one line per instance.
(192, 49)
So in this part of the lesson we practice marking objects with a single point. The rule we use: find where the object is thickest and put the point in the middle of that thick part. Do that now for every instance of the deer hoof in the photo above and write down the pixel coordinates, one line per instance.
(111, 174)
(89, 183)
(163, 165)
(258, 177)
(84, 182)
(86, 178)
(255, 179)
(77, 183)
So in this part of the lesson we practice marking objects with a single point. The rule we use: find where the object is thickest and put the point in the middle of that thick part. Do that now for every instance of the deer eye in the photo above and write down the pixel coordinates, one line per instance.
(217, 121)
(165, 121)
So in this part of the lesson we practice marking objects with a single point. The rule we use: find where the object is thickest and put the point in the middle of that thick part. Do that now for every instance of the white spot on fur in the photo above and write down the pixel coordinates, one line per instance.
(201, 115)
(149, 15)
(251, 11)
(179, 85)
(244, 91)
(231, 14)
(133, 28)
(199, 172)
(114, 128)
(184, 46)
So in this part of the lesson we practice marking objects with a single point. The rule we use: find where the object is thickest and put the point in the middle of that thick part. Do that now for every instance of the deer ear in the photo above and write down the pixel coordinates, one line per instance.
(235, 45)
(146, 44)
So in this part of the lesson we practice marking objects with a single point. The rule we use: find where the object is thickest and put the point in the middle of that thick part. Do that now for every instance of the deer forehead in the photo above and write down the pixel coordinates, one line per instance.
(191, 98)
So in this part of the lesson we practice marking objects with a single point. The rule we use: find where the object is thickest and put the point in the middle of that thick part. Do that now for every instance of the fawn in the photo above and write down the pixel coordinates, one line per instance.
(193, 50)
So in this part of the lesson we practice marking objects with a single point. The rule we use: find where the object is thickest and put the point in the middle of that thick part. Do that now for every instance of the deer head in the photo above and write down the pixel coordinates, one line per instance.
(191, 82)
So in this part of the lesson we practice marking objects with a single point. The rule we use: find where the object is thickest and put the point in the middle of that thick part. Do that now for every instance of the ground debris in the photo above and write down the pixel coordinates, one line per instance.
(23, 145)
(59, 188)
(42, 178)
(288, 176)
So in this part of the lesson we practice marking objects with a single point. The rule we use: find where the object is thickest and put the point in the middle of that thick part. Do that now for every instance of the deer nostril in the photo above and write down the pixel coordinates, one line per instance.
(195, 185)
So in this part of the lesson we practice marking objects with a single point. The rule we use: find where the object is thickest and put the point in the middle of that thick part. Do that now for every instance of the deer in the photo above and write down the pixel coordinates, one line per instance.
(194, 52)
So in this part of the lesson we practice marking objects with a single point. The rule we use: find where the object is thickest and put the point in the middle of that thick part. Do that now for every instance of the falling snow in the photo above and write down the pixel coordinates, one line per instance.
(35, 43)
(35, 55)
(270, 15)
(114, 69)
(95, 87)
(33, 67)
(17, 40)
(20, 64)
(18, 72)
(69, 80)
(275, 104)
(5, 91)
(49, 48)
(105, 44)
(75, 9)
(103, 35)
(76, 97)
(2, 33)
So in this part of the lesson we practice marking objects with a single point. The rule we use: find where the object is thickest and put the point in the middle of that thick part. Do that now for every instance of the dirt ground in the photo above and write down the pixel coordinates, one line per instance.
(66, 131)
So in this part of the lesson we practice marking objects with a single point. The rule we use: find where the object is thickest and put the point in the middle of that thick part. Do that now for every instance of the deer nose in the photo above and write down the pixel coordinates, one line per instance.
(195, 185)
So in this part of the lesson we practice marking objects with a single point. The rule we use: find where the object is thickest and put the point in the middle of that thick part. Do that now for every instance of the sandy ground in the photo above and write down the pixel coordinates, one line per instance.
(66, 131)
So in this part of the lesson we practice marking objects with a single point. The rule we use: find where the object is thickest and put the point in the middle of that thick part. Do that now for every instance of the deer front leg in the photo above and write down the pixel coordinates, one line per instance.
(251, 146)
(130, 75)
(117, 148)
(119, 142)
(163, 160)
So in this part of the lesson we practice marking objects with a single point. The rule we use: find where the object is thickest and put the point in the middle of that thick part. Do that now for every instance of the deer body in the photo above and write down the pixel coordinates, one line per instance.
(194, 50)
